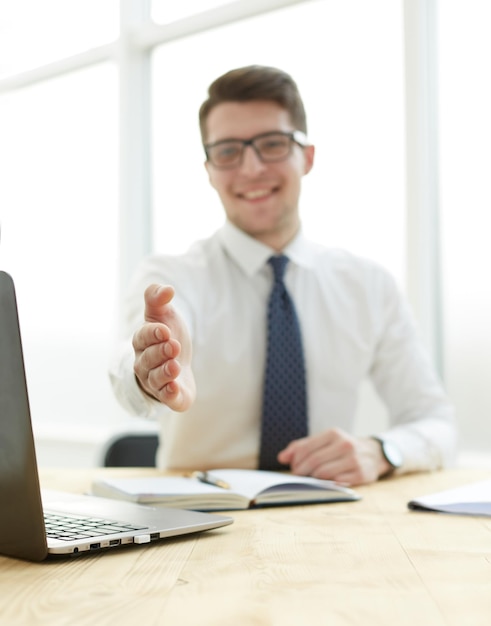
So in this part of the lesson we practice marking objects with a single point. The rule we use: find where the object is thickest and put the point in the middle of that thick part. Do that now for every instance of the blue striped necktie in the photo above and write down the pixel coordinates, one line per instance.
(284, 415)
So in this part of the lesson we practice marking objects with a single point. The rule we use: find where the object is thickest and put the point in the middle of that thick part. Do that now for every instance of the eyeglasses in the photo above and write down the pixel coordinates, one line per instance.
(269, 147)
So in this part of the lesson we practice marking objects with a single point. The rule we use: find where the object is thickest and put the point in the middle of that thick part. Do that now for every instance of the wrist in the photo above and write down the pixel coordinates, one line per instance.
(390, 456)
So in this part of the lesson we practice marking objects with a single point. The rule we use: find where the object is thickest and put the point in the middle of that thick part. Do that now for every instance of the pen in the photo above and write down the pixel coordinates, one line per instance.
(206, 477)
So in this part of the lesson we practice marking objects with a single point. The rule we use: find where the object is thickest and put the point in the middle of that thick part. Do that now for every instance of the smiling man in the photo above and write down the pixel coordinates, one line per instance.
(200, 327)
(260, 196)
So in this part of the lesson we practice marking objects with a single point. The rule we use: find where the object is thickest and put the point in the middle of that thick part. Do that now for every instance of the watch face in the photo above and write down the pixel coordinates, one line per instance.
(392, 453)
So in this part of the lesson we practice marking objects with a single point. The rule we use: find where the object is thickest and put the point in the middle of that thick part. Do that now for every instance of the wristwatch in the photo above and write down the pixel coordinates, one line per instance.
(391, 453)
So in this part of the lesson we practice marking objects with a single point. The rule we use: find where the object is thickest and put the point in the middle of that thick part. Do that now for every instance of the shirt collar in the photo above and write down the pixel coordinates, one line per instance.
(252, 255)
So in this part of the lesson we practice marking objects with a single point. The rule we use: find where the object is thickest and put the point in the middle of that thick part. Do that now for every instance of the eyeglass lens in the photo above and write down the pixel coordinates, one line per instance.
(269, 147)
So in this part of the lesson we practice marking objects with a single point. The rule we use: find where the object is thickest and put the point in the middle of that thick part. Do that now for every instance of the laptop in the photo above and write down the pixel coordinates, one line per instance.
(35, 524)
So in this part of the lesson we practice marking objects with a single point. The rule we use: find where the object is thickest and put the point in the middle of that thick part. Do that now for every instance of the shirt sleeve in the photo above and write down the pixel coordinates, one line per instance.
(422, 420)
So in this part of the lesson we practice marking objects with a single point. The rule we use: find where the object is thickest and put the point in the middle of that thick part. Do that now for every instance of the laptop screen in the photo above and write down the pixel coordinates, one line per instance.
(22, 531)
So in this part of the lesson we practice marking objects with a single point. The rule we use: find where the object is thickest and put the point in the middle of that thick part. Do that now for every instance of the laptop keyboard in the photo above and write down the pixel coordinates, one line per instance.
(69, 527)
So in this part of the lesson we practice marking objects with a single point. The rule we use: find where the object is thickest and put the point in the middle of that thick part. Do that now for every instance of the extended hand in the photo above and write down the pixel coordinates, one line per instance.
(163, 352)
(336, 455)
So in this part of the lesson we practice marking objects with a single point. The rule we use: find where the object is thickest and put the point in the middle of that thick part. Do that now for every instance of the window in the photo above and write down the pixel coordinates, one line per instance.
(164, 12)
(53, 30)
(60, 236)
(465, 157)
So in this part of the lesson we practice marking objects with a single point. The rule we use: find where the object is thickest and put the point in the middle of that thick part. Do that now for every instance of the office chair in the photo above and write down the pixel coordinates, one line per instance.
(131, 450)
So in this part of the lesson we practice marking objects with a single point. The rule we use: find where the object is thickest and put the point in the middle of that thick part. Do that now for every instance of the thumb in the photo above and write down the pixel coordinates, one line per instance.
(157, 297)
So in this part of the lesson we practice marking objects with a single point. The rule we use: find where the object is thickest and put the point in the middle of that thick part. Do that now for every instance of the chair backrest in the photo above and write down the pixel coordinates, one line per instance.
(131, 450)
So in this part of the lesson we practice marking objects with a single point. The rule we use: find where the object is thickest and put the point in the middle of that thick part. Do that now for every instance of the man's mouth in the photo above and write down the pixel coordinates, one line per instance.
(256, 194)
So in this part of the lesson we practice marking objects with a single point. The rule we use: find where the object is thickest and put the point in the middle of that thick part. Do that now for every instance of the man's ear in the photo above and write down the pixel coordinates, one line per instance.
(309, 153)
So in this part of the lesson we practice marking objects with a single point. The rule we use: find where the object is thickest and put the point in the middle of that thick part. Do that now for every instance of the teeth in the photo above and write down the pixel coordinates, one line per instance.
(258, 193)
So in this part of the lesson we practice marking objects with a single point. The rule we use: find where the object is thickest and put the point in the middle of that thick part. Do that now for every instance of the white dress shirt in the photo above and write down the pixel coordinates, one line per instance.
(354, 325)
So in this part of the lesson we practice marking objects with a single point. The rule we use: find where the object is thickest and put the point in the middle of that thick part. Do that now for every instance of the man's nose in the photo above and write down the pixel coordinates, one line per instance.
(251, 162)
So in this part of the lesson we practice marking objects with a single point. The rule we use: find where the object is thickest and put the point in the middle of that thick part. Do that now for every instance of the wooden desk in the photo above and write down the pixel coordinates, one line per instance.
(358, 563)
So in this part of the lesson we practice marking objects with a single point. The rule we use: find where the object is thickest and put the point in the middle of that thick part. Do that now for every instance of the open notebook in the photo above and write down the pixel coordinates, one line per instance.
(225, 490)
(34, 525)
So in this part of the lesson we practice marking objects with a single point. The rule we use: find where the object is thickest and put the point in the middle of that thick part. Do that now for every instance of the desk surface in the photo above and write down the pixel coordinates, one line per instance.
(360, 563)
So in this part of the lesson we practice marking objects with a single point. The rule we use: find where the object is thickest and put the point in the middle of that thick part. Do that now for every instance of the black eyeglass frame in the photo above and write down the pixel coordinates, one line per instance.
(295, 136)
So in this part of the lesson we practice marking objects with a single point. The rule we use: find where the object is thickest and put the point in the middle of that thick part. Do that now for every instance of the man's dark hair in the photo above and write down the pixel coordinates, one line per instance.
(255, 82)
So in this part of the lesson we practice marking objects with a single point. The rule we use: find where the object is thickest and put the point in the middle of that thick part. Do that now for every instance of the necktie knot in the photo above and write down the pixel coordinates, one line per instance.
(278, 263)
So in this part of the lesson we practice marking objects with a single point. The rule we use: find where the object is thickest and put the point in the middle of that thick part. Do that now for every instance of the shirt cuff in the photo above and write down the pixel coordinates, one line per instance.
(421, 451)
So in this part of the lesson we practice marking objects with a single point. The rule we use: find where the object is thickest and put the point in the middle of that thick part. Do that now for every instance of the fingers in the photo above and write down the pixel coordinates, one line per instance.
(331, 455)
(155, 350)
(163, 351)
(158, 379)
(150, 334)
(156, 298)
(323, 462)
(171, 384)
(156, 356)
(299, 453)
(179, 394)
(157, 360)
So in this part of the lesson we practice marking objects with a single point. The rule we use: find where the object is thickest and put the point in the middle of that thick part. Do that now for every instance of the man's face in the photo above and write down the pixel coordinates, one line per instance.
(259, 198)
